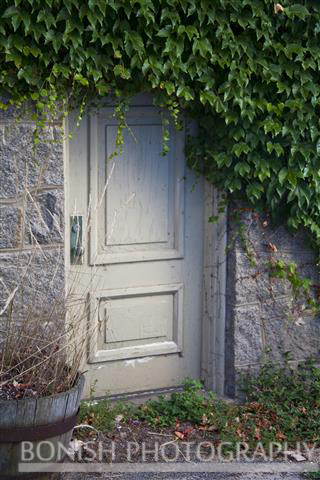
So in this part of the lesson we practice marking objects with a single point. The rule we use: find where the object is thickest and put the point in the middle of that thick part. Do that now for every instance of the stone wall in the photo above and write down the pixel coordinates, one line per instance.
(31, 218)
(264, 319)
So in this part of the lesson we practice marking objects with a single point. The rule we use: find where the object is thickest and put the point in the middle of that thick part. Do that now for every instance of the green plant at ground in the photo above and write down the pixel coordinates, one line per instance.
(313, 475)
(247, 71)
(282, 405)
(190, 405)
(102, 415)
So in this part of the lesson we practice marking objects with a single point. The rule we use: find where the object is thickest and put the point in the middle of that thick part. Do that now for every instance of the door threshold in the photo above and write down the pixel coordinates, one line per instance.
(142, 396)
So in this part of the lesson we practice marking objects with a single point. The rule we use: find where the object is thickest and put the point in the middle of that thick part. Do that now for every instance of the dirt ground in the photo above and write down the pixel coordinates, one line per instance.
(136, 442)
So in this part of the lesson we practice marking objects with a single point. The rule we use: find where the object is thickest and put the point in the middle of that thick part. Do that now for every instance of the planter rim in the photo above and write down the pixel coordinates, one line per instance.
(75, 387)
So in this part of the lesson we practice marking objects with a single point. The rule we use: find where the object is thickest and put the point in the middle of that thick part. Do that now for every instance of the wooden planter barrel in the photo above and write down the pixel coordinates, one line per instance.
(46, 422)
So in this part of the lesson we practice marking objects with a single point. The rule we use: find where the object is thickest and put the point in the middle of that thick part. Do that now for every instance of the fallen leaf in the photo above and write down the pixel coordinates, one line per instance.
(187, 430)
(206, 445)
(278, 8)
(272, 247)
(74, 446)
(280, 436)
(179, 435)
(213, 428)
(204, 419)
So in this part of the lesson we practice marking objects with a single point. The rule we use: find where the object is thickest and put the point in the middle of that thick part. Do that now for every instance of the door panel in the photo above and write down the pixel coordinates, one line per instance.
(142, 267)
(140, 321)
(140, 191)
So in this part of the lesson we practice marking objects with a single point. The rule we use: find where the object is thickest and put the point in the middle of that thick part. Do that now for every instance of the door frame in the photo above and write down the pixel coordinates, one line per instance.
(214, 269)
(214, 291)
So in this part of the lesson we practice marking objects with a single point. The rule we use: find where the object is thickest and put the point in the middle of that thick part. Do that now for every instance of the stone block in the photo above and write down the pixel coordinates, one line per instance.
(306, 264)
(248, 339)
(253, 283)
(11, 113)
(24, 165)
(283, 335)
(10, 226)
(44, 219)
(49, 155)
(260, 232)
(36, 279)
(277, 307)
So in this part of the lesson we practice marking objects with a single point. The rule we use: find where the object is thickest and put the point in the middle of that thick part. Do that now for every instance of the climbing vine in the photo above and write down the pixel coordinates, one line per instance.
(247, 71)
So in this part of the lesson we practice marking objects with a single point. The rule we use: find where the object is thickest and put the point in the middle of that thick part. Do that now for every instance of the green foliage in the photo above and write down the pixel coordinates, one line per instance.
(312, 475)
(301, 286)
(287, 401)
(282, 404)
(190, 405)
(102, 415)
(249, 76)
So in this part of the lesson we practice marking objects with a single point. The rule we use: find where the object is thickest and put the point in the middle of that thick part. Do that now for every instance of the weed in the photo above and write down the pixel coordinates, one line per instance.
(282, 405)
(191, 405)
(312, 475)
(103, 414)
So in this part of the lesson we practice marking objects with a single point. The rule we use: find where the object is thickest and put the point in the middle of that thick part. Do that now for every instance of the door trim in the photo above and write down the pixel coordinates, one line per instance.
(214, 292)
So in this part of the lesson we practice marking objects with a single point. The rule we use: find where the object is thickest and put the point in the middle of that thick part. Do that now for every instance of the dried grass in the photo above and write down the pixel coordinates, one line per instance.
(45, 336)
(40, 352)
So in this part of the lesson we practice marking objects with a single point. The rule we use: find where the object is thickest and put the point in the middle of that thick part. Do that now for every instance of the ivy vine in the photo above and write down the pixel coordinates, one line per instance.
(248, 71)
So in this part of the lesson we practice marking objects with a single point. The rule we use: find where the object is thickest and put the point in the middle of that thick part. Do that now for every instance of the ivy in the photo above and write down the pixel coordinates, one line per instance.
(301, 287)
(247, 71)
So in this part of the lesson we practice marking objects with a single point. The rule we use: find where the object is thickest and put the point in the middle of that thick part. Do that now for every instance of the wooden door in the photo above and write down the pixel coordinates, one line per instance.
(141, 271)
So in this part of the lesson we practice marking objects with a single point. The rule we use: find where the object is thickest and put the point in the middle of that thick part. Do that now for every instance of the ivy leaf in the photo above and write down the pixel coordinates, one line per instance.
(240, 148)
(57, 42)
(269, 147)
(135, 40)
(254, 190)
(191, 32)
(185, 92)
(282, 175)
(169, 86)
(164, 32)
(242, 168)
(208, 97)
(297, 11)
(10, 11)
(202, 45)
(122, 72)
(26, 20)
(16, 20)
(80, 78)
(278, 148)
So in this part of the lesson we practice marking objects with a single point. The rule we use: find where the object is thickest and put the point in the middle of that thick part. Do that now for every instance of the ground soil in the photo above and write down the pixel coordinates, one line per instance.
(136, 441)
